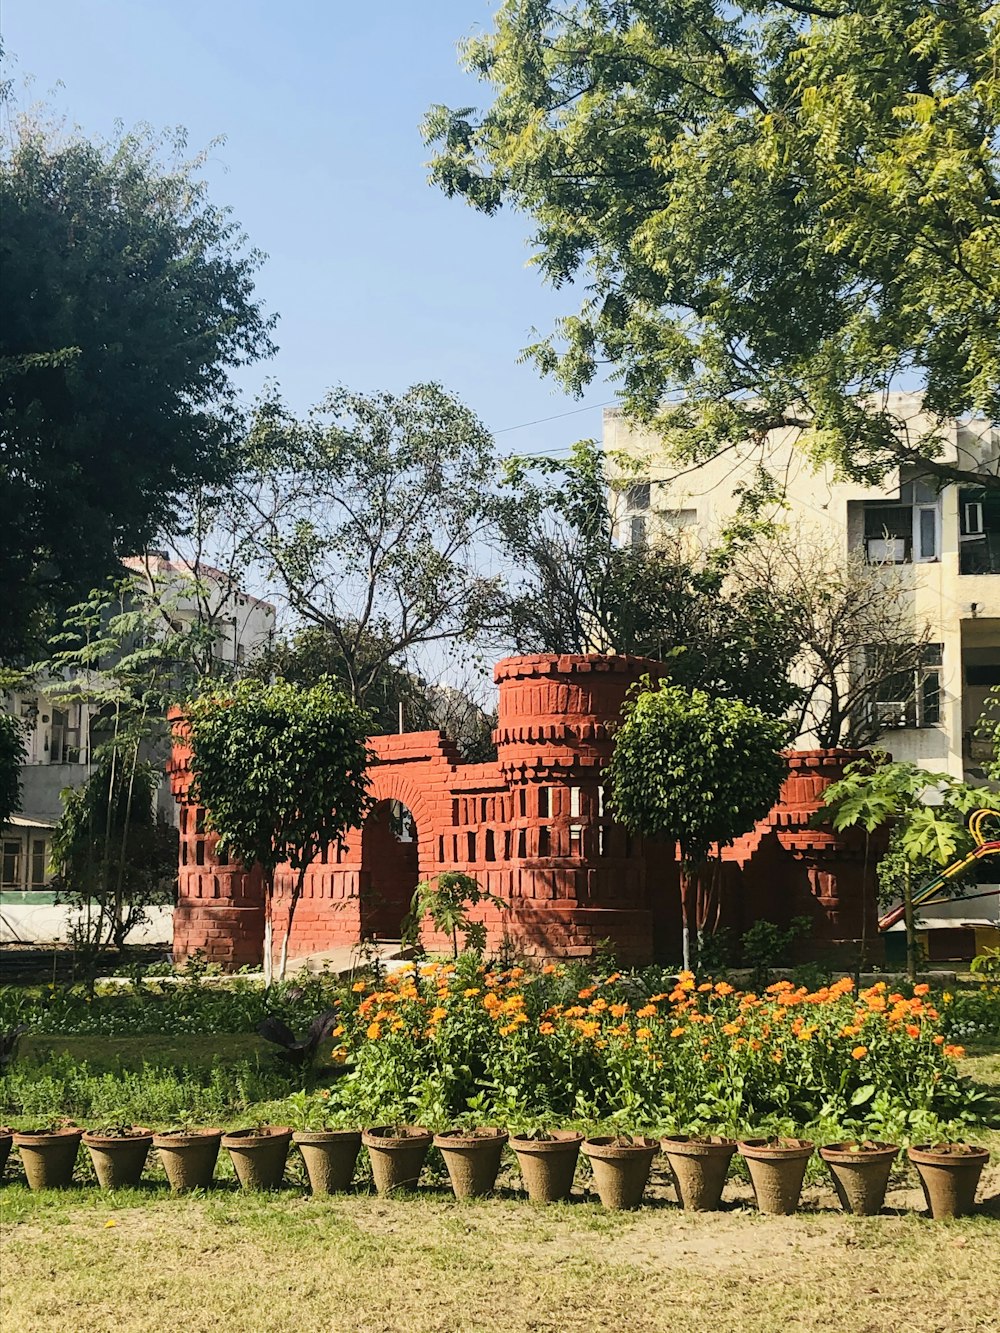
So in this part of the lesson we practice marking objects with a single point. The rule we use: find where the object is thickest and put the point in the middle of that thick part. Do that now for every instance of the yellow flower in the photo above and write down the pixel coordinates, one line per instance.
(678, 1032)
(359, 986)
(374, 1031)
(643, 1034)
(339, 1054)
(437, 1014)
(859, 1052)
(468, 994)
(338, 1031)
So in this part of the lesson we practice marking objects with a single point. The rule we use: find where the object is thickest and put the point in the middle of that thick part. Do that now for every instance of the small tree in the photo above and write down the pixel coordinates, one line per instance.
(12, 755)
(445, 900)
(281, 771)
(695, 771)
(113, 858)
(927, 812)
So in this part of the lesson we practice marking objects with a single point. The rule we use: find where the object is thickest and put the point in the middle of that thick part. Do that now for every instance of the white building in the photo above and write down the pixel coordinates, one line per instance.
(942, 541)
(58, 736)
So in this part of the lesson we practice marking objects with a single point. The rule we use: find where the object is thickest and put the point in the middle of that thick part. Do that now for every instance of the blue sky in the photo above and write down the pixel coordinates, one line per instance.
(379, 280)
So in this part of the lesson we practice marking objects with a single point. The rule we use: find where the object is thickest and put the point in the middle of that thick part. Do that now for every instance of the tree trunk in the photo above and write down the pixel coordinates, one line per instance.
(268, 928)
(689, 889)
(909, 921)
(292, 904)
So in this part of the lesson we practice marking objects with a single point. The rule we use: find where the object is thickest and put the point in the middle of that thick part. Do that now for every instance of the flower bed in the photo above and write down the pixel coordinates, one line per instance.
(445, 1040)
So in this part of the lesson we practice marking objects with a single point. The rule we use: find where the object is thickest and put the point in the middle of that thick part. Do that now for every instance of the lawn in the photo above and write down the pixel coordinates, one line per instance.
(231, 1263)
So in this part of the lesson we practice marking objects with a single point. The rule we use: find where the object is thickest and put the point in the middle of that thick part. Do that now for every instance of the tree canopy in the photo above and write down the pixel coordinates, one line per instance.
(775, 210)
(128, 300)
(12, 756)
(281, 771)
(578, 589)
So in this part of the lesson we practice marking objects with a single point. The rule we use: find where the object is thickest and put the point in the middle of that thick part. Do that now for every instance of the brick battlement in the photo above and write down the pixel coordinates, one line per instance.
(533, 829)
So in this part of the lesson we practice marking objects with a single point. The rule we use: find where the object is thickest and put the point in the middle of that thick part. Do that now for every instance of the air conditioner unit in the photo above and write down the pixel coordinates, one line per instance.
(891, 714)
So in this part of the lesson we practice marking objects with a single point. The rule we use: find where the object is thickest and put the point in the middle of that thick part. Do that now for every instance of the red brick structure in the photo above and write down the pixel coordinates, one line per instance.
(533, 829)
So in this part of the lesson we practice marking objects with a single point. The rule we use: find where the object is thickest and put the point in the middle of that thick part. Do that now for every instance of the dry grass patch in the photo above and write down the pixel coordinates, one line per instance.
(232, 1264)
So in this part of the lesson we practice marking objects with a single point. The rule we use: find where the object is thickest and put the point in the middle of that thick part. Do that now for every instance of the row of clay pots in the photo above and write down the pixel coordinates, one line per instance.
(621, 1165)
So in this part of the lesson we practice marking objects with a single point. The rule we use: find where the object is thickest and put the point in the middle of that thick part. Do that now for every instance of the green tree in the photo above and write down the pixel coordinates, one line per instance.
(694, 771)
(579, 589)
(12, 756)
(281, 771)
(446, 899)
(926, 813)
(128, 300)
(775, 209)
(371, 513)
(113, 857)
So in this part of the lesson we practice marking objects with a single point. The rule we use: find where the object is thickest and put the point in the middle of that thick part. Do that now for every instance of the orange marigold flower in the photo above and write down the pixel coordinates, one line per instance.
(548, 969)
(912, 1030)
(723, 988)
(730, 1029)
(615, 976)
(808, 1033)
(955, 1052)
(776, 1056)
(546, 1029)
(620, 1010)
(939, 1040)
(468, 994)
(859, 1052)
(588, 1028)
(705, 986)
(359, 986)
(374, 1031)
(678, 1032)
(754, 1044)
(922, 989)
(598, 1005)
(339, 1053)
(643, 1034)
(647, 1011)
(575, 1011)
(438, 1013)
(516, 972)
(587, 992)
(338, 1031)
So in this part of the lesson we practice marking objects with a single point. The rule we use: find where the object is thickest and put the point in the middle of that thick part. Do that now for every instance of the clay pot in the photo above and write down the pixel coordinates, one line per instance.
(699, 1166)
(548, 1164)
(48, 1156)
(189, 1158)
(397, 1155)
(259, 1155)
(860, 1174)
(329, 1155)
(949, 1174)
(6, 1140)
(777, 1169)
(119, 1157)
(472, 1157)
(621, 1166)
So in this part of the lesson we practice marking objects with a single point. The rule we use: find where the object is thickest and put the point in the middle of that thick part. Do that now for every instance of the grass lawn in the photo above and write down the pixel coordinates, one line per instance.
(231, 1263)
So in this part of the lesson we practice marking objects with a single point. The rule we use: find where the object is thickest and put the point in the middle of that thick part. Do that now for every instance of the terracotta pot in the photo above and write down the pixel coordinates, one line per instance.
(777, 1169)
(259, 1155)
(949, 1174)
(472, 1158)
(860, 1174)
(621, 1166)
(330, 1156)
(548, 1165)
(48, 1156)
(119, 1158)
(397, 1155)
(699, 1166)
(6, 1140)
(189, 1158)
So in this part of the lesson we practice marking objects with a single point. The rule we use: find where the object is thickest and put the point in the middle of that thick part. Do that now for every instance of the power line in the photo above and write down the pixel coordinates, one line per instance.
(592, 407)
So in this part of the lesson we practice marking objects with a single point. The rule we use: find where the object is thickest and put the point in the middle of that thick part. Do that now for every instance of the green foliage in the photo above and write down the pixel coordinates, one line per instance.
(128, 301)
(773, 209)
(12, 756)
(766, 945)
(446, 899)
(113, 857)
(282, 773)
(370, 512)
(582, 591)
(692, 769)
(987, 966)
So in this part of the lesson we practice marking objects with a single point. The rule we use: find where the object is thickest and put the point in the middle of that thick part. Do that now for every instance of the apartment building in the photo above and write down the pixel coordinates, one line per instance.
(59, 736)
(940, 544)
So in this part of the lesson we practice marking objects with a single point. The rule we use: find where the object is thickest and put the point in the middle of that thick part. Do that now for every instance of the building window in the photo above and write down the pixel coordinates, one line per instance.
(978, 532)
(10, 866)
(909, 698)
(904, 531)
(38, 863)
(637, 495)
(637, 530)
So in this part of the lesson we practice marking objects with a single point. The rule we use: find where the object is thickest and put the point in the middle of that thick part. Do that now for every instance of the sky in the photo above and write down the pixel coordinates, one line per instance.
(378, 279)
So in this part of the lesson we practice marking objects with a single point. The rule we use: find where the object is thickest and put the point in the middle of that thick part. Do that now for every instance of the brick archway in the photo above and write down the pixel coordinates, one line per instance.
(390, 870)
